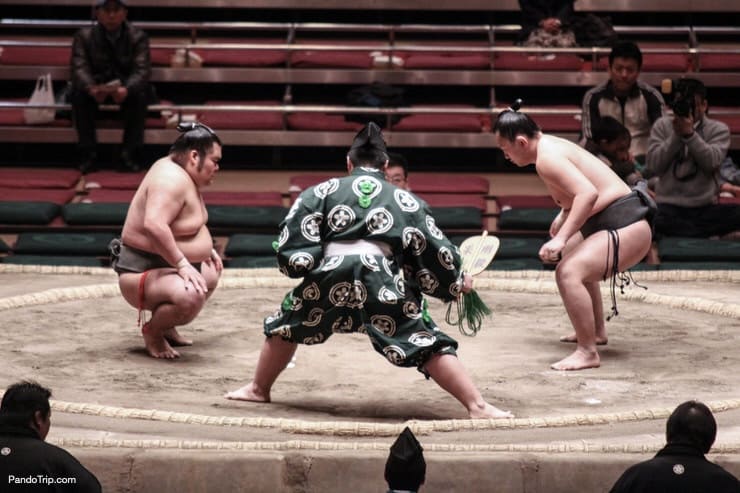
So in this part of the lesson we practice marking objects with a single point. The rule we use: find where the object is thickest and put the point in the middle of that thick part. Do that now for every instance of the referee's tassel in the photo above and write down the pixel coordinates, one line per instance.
(471, 310)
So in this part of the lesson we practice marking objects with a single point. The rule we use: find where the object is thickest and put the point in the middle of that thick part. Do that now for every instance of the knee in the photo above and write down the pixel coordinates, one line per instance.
(567, 273)
(189, 305)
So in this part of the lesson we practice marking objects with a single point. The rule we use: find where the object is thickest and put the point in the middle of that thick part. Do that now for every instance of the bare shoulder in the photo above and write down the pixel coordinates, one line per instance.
(168, 174)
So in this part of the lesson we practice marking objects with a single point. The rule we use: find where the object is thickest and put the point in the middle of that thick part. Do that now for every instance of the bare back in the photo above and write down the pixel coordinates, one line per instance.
(566, 168)
(168, 205)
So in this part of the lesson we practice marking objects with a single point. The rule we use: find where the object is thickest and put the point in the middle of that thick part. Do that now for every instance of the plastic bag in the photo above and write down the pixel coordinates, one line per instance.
(42, 94)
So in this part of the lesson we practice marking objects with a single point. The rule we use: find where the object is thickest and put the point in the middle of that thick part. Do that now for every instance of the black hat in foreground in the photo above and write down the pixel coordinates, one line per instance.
(369, 138)
(405, 468)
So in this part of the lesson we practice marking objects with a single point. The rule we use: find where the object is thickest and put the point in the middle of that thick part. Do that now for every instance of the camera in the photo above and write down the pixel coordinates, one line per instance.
(680, 95)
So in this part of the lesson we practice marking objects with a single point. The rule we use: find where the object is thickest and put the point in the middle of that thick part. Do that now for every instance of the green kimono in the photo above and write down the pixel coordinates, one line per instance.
(349, 239)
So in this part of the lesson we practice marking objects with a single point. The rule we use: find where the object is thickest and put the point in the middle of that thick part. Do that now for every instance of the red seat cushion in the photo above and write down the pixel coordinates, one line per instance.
(243, 120)
(447, 61)
(321, 121)
(656, 62)
(450, 122)
(36, 55)
(525, 61)
(109, 196)
(243, 198)
(448, 183)
(112, 179)
(453, 200)
(525, 201)
(39, 177)
(719, 61)
(58, 196)
(334, 58)
(243, 57)
(161, 56)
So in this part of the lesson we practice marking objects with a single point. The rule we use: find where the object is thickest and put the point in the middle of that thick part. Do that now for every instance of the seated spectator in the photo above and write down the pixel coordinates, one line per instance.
(680, 466)
(729, 178)
(405, 468)
(611, 143)
(685, 153)
(546, 23)
(27, 462)
(397, 170)
(633, 103)
(110, 63)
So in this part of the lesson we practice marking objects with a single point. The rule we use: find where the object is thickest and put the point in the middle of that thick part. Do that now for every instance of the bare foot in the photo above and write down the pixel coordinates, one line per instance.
(157, 346)
(249, 392)
(489, 411)
(600, 341)
(579, 360)
(175, 339)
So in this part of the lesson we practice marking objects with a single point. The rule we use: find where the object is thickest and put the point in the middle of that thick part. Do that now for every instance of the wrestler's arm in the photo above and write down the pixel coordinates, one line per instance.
(560, 174)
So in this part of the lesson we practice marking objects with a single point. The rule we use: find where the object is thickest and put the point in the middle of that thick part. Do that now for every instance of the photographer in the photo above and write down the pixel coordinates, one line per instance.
(685, 151)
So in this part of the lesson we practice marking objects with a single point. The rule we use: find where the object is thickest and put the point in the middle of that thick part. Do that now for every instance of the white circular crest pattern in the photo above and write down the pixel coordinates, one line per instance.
(405, 200)
(301, 261)
(388, 266)
(342, 325)
(411, 310)
(311, 226)
(314, 339)
(311, 292)
(282, 331)
(456, 288)
(413, 238)
(384, 323)
(395, 355)
(446, 259)
(427, 281)
(284, 235)
(422, 339)
(314, 317)
(387, 296)
(346, 294)
(379, 221)
(432, 228)
(400, 284)
(370, 262)
(326, 188)
(341, 217)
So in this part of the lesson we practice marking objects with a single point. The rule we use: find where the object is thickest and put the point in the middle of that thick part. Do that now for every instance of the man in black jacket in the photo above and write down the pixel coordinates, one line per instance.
(681, 466)
(27, 462)
(110, 63)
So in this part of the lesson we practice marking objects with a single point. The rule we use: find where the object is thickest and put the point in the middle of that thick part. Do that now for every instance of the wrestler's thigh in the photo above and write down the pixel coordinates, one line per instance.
(165, 286)
(594, 256)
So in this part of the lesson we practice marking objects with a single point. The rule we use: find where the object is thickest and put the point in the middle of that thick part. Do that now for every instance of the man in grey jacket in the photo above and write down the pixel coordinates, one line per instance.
(685, 152)
(110, 63)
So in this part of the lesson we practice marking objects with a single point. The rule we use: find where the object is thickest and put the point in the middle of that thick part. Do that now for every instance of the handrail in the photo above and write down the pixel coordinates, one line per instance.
(334, 109)
(395, 48)
(352, 27)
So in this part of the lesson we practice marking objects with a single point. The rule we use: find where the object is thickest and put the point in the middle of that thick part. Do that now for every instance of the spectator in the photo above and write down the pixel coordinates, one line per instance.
(27, 462)
(611, 143)
(110, 63)
(546, 23)
(680, 466)
(729, 178)
(633, 103)
(685, 153)
(405, 468)
(397, 171)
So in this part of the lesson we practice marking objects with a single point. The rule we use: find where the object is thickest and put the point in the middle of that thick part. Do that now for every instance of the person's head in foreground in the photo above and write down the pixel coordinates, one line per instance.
(405, 468)
(26, 404)
(368, 148)
(692, 423)
(517, 135)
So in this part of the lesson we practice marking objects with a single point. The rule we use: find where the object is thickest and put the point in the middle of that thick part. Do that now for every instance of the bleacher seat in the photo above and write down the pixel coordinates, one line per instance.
(242, 120)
